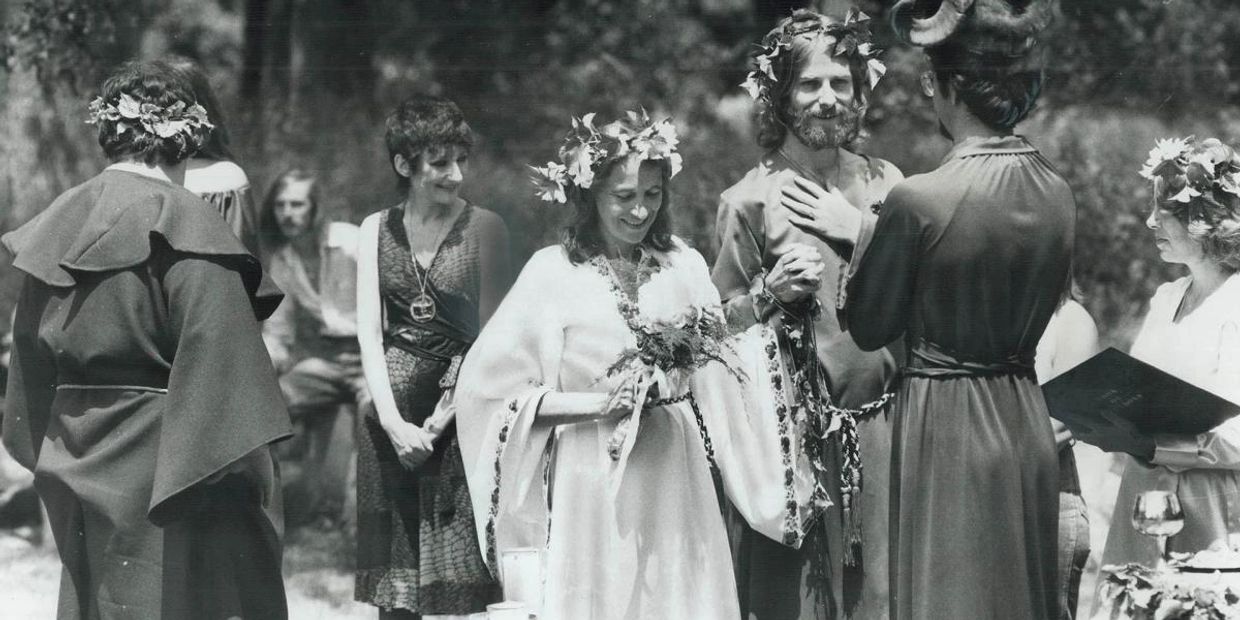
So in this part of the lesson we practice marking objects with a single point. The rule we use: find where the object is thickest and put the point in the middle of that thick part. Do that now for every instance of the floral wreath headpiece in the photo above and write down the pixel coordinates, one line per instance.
(587, 146)
(1202, 179)
(852, 39)
(130, 113)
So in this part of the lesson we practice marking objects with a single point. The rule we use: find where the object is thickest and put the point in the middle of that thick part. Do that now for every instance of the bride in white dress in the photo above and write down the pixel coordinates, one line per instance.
(625, 507)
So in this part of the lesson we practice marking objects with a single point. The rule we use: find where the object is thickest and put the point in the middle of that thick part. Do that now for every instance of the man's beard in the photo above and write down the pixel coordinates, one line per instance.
(845, 126)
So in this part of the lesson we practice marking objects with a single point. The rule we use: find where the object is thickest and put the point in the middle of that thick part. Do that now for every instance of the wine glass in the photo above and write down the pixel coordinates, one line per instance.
(1158, 514)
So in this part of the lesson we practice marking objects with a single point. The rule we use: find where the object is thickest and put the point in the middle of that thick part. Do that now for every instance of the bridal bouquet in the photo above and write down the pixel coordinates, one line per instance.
(683, 344)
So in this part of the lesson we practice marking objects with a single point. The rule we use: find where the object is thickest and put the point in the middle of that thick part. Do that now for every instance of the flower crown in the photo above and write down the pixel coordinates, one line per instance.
(852, 38)
(130, 113)
(587, 146)
(1202, 179)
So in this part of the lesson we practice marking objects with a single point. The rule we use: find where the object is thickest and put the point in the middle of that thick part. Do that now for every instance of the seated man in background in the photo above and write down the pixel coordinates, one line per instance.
(312, 338)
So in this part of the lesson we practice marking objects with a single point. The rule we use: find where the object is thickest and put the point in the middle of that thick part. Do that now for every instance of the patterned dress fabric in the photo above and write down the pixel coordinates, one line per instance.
(416, 544)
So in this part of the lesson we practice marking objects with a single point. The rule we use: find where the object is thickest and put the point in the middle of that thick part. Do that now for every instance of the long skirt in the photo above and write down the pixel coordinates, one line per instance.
(417, 547)
(975, 500)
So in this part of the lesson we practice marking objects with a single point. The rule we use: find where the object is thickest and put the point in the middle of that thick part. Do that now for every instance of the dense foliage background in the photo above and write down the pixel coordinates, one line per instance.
(308, 82)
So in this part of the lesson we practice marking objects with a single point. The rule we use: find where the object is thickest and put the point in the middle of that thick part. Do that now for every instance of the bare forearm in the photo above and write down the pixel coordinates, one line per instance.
(572, 407)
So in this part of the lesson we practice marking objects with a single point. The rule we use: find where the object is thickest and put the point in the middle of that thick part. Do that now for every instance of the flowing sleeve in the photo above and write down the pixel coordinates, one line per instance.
(512, 365)
(223, 402)
(743, 410)
(1219, 448)
(32, 379)
(882, 274)
(738, 269)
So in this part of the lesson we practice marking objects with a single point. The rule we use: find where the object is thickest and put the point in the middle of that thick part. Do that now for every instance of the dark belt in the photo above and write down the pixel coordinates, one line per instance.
(929, 360)
(115, 387)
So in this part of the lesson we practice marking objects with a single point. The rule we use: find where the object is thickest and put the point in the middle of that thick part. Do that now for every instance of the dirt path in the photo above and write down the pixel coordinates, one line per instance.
(318, 588)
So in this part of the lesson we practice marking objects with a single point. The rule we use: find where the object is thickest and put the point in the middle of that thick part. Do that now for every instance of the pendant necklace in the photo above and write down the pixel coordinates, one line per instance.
(422, 308)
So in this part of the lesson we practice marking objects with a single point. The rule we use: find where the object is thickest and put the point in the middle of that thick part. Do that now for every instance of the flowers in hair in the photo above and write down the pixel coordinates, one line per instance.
(132, 114)
(1198, 181)
(852, 38)
(586, 147)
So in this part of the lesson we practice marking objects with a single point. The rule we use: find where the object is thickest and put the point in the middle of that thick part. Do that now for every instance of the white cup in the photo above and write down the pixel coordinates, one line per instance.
(507, 610)
(521, 573)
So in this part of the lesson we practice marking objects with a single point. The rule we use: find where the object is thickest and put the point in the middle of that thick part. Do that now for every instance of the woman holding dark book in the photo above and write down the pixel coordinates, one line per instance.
(1192, 331)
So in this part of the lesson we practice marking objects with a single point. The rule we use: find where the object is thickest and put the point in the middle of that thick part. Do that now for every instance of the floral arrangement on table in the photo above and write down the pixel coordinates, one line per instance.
(852, 38)
(682, 344)
(1200, 180)
(1142, 593)
(586, 147)
(129, 113)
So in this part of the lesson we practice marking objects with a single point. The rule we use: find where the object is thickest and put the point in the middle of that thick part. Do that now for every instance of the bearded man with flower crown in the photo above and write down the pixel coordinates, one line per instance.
(965, 265)
(785, 232)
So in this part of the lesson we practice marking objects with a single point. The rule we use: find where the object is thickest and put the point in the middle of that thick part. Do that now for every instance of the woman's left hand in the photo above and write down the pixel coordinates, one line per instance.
(1063, 436)
(820, 212)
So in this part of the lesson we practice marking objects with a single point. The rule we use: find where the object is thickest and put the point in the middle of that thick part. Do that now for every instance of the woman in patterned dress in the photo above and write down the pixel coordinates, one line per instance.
(431, 270)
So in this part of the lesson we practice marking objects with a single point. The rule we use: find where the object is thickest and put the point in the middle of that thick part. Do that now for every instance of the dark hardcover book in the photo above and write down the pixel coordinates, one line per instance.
(1096, 397)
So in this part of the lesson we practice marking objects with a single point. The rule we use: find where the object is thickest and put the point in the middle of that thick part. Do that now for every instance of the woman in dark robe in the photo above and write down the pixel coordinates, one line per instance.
(141, 394)
(967, 263)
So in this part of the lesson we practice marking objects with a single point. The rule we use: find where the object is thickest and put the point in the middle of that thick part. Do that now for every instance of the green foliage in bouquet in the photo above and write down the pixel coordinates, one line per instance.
(687, 342)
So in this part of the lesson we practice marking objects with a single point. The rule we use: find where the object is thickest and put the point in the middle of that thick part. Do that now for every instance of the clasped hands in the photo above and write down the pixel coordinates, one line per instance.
(412, 443)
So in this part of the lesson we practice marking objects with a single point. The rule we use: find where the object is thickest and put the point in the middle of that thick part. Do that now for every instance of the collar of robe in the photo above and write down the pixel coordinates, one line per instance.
(996, 145)
(107, 224)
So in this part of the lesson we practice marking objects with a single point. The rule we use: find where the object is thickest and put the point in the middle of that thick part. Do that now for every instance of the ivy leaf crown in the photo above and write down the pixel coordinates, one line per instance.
(1198, 181)
(852, 38)
(131, 113)
(587, 147)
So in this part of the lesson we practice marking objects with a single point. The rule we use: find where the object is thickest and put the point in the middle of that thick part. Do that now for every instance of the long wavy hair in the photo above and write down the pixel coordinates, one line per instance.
(773, 119)
(583, 237)
(270, 237)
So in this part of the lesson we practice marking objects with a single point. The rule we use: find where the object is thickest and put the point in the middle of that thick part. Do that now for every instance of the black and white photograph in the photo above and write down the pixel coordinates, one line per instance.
(620, 309)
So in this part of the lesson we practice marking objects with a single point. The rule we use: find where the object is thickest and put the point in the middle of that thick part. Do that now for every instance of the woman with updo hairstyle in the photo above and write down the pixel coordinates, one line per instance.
(431, 270)
(965, 266)
(1192, 331)
(140, 392)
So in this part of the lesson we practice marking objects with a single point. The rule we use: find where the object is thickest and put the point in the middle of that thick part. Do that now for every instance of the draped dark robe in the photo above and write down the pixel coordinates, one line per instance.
(142, 398)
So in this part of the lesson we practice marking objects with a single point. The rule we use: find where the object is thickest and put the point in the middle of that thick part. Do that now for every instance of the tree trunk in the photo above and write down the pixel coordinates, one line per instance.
(337, 45)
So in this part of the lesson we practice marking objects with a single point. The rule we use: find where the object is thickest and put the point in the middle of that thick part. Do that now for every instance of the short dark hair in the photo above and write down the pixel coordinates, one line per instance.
(269, 233)
(217, 146)
(424, 122)
(772, 113)
(999, 90)
(153, 82)
(583, 240)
